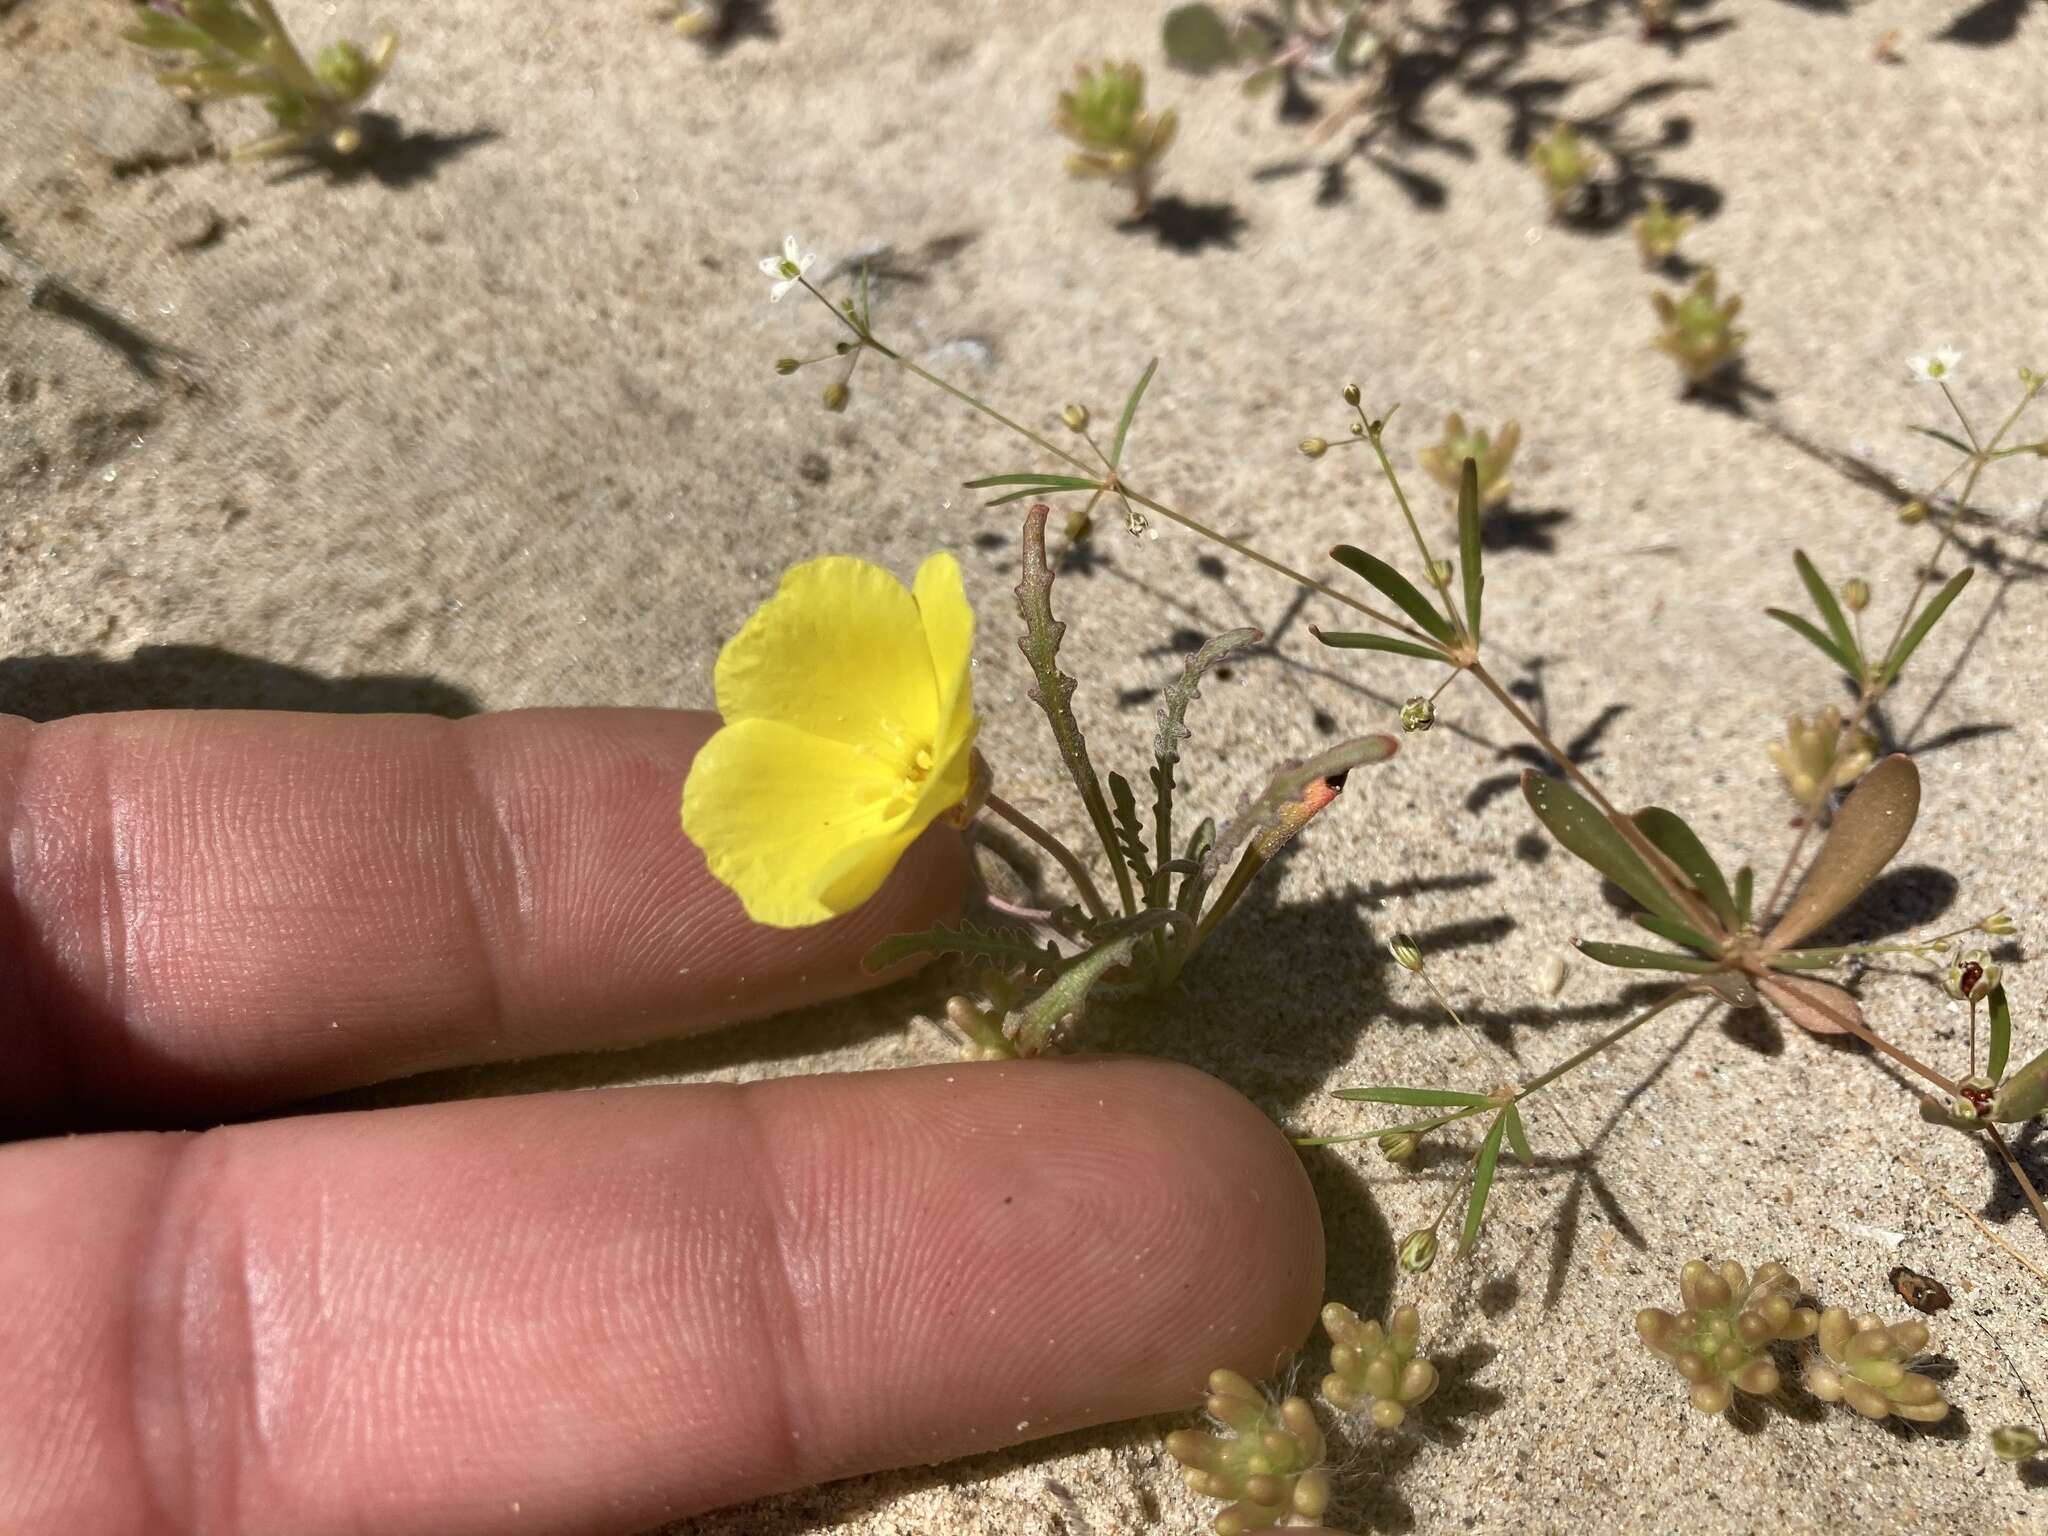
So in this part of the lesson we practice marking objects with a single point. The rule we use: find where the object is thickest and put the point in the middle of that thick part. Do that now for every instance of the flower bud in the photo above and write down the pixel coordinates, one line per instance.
(1913, 513)
(1855, 594)
(1418, 714)
(1999, 924)
(1351, 394)
(1314, 447)
(786, 366)
(1076, 417)
(1439, 573)
(1399, 1146)
(836, 396)
(1418, 1251)
(1407, 954)
(2014, 1442)
(1971, 976)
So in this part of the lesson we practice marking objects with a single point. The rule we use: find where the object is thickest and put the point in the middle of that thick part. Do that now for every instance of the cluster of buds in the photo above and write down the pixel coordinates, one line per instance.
(1375, 1368)
(1817, 756)
(1104, 114)
(1444, 460)
(1265, 1457)
(1721, 1342)
(1566, 165)
(1698, 329)
(1862, 1362)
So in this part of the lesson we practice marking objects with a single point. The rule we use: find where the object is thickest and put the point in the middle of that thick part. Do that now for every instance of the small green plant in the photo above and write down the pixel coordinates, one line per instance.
(1659, 231)
(1698, 329)
(1374, 1369)
(1864, 1363)
(1265, 1458)
(1119, 140)
(1444, 460)
(1721, 1342)
(2015, 1443)
(1350, 43)
(241, 48)
(1566, 164)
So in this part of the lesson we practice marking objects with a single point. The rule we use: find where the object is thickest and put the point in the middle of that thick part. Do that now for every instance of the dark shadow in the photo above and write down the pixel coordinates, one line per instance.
(1985, 24)
(1510, 527)
(1899, 901)
(2029, 1146)
(389, 155)
(206, 677)
(737, 21)
(1754, 1029)
(146, 357)
(1732, 391)
(1582, 748)
(1360, 1266)
(1189, 228)
(1374, 1465)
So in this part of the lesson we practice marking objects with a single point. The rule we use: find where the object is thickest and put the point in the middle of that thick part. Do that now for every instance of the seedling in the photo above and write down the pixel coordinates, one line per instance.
(1566, 165)
(1444, 460)
(1119, 141)
(1659, 231)
(1698, 329)
(241, 48)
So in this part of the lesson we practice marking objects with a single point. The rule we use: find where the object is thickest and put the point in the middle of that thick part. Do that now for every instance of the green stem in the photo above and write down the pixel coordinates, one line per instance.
(1580, 1058)
(1414, 528)
(1065, 856)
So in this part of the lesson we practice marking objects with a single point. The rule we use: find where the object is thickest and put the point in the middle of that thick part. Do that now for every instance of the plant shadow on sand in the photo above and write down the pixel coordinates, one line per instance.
(389, 155)
(45, 688)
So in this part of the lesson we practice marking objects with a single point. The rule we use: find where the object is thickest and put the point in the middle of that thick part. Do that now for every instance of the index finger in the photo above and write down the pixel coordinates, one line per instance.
(208, 912)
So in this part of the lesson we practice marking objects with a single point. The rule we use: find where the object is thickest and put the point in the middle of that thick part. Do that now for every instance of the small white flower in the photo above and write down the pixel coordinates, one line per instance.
(786, 268)
(1932, 368)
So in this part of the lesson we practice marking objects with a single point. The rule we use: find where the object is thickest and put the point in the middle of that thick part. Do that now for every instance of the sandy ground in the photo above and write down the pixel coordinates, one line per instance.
(498, 427)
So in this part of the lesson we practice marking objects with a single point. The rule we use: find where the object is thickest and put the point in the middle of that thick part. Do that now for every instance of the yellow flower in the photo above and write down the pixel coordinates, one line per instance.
(849, 725)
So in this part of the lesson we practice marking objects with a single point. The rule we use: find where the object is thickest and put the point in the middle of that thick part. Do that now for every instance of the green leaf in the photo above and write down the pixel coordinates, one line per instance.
(1361, 640)
(1173, 730)
(2001, 1033)
(1034, 493)
(1007, 947)
(1870, 828)
(1678, 933)
(1482, 1184)
(1909, 642)
(1196, 38)
(1130, 834)
(1468, 544)
(1396, 587)
(1805, 629)
(1830, 610)
(1803, 959)
(1518, 1139)
(1033, 477)
(1633, 957)
(1123, 424)
(1948, 438)
(1293, 796)
(1578, 824)
(1195, 885)
(1670, 836)
(1745, 893)
(1032, 1027)
(1421, 1098)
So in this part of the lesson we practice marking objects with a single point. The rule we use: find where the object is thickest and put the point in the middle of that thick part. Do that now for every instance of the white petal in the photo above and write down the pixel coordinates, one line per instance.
(775, 294)
(772, 265)
(789, 247)
(805, 264)
(1949, 356)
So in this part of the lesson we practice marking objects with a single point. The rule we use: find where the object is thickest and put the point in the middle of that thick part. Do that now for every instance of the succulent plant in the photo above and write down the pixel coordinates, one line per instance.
(1721, 1342)
(1566, 164)
(1265, 1457)
(1862, 1362)
(1698, 329)
(241, 48)
(2014, 1442)
(1119, 140)
(1492, 452)
(1659, 231)
(1375, 1368)
(1817, 756)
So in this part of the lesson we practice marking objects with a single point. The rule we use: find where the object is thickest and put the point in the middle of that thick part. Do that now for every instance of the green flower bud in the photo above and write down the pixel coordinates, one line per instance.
(1407, 954)
(1076, 417)
(1418, 714)
(786, 366)
(836, 396)
(1856, 594)
(2014, 1442)
(1351, 394)
(1418, 1251)
(1913, 513)
(1999, 924)
(1399, 1146)
(1314, 447)
(1439, 573)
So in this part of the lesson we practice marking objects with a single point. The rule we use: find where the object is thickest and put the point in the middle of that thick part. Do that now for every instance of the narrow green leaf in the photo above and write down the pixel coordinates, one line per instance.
(1805, 629)
(1130, 834)
(1909, 642)
(1948, 438)
(1482, 1184)
(1745, 894)
(1033, 477)
(1396, 587)
(1677, 933)
(2001, 1034)
(1633, 957)
(1007, 947)
(1362, 640)
(1830, 610)
(1578, 824)
(1670, 836)
(1803, 959)
(1468, 544)
(1518, 1139)
(1034, 493)
(1123, 424)
(1421, 1098)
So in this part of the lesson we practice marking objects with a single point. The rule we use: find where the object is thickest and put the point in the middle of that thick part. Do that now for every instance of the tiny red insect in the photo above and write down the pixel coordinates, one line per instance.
(1923, 1293)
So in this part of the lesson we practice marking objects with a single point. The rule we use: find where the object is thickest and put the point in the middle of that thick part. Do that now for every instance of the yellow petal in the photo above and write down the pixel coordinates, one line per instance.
(839, 652)
(949, 633)
(799, 827)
